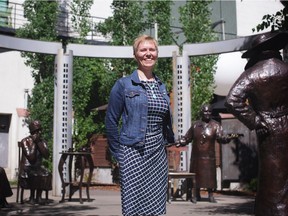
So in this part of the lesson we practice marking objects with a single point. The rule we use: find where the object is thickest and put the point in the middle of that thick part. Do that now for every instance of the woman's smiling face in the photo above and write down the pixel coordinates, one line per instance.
(146, 55)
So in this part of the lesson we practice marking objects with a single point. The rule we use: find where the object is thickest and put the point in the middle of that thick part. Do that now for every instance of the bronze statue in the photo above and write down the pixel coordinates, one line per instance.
(5, 189)
(33, 175)
(259, 99)
(204, 134)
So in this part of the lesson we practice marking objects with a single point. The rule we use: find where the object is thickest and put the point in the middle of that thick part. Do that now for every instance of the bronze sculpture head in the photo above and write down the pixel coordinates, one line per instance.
(206, 112)
(34, 126)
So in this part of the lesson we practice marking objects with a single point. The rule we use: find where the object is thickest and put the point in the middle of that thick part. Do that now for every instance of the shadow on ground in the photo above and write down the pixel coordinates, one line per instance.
(54, 208)
(228, 209)
(241, 208)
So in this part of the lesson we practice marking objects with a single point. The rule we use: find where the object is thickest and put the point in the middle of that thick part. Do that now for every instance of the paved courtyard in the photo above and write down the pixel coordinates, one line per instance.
(106, 202)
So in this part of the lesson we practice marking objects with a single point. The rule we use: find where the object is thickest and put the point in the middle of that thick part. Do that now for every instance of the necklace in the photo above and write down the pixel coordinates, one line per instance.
(142, 76)
(151, 87)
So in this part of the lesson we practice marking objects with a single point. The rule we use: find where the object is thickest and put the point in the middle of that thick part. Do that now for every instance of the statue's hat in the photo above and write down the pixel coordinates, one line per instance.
(266, 41)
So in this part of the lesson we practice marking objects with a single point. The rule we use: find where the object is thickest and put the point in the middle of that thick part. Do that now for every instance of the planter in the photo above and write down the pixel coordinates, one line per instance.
(100, 152)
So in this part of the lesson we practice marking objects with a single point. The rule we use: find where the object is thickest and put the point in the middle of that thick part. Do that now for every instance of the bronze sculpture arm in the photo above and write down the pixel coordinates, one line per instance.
(43, 148)
(29, 150)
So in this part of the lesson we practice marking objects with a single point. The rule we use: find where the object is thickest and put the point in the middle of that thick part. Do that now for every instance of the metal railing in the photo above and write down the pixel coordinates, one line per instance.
(12, 17)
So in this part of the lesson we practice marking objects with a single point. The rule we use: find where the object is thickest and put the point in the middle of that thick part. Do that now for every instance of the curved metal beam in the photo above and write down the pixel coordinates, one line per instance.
(20, 44)
(218, 47)
(100, 51)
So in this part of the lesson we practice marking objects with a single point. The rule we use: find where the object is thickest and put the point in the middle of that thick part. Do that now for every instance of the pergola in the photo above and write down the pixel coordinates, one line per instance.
(62, 140)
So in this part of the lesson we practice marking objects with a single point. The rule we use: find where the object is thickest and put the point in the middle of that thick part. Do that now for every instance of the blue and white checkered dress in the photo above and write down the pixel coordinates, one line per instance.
(144, 169)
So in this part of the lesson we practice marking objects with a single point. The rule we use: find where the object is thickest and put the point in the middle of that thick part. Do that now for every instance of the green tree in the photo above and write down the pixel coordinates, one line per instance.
(277, 21)
(42, 19)
(86, 97)
(80, 16)
(125, 24)
(160, 12)
(196, 24)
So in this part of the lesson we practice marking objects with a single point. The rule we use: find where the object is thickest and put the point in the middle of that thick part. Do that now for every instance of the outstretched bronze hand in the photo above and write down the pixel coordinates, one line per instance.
(179, 143)
(227, 138)
(234, 135)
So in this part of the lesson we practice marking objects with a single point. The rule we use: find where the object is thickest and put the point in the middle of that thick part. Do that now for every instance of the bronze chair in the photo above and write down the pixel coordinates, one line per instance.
(173, 155)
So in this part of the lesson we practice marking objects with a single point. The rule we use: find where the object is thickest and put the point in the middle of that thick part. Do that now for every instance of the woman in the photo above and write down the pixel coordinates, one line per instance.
(142, 102)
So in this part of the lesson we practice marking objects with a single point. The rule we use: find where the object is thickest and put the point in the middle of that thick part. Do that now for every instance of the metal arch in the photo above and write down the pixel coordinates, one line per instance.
(9, 43)
(99, 51)
(218, 47)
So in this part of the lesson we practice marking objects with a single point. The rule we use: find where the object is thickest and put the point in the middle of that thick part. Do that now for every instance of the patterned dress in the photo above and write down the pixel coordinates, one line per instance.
(144, 169)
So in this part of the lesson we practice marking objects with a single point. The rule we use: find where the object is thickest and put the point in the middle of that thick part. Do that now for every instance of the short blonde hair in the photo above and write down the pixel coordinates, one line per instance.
(142, 38)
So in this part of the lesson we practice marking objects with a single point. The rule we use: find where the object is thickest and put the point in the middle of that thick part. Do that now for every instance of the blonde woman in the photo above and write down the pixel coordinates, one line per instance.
(142, 102)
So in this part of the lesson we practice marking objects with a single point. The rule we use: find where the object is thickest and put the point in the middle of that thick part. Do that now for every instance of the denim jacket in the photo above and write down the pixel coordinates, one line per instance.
(128, 99)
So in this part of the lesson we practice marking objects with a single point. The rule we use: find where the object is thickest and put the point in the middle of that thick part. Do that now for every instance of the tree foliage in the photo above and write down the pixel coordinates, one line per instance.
(160, 12)
(80, 16)
(125, 24)
(42, 19)
(41, 26)
(85, 98)
(196, 24)
(277, 21)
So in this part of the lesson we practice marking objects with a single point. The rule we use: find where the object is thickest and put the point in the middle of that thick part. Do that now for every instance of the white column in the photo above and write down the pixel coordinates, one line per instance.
(156, 31)
(62, 127)
(182, 103)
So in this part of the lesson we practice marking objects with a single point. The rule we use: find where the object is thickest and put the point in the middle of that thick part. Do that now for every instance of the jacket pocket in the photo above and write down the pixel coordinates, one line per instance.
(132, 98)
(132, 113)
(132, 94)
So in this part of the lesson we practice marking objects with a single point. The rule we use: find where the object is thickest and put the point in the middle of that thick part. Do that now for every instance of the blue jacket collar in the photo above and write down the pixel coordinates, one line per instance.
(135, 78)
